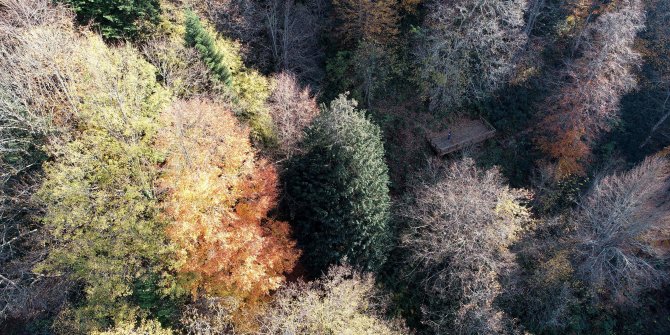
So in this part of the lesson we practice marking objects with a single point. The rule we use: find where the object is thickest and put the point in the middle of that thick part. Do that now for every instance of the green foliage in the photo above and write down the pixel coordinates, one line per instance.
(145, 327)
(100, 212)
(249, 89)
(118, 19)
(100, 208)
(339, 190)
(339, 69)
(555, 196)
(514, 157)
(367, 72)
(148, 296)
(252, 90)
(375, 65)
(198, 37)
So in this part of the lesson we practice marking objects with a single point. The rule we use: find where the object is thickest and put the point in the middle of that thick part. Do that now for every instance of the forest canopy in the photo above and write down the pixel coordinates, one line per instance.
(269, 167)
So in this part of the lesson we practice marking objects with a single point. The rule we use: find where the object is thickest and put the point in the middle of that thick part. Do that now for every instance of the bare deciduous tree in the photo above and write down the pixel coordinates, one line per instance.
(292, 109)
(210, 316)
(588, 101)
(35, 107)
(277, 35)
(294, 29)
(242, 20)
(17, 14)
(461, 223)
(620, 227)
(35, 80)
(469, 49)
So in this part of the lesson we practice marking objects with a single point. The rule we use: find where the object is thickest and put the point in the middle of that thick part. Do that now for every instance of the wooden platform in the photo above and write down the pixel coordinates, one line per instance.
(463, 133)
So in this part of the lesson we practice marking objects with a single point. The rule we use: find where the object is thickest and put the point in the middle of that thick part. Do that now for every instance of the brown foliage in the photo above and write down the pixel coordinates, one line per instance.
(374, 21)
(588, 102)
(410, 6)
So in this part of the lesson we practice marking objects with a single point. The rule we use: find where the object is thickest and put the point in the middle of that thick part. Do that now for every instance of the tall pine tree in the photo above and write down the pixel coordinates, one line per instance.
(202, 40)
(338, 190)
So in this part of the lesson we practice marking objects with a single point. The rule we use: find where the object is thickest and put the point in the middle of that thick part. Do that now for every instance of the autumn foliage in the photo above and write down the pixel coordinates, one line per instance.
(205, 167)
(588, 103)
(292, 109)
(366, 20)
(218, 197)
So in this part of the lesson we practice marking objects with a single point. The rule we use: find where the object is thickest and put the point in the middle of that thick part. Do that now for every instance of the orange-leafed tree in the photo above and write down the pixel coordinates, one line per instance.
(217, 197)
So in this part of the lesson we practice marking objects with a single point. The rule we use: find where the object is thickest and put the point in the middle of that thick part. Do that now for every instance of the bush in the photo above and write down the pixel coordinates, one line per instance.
(145, 327)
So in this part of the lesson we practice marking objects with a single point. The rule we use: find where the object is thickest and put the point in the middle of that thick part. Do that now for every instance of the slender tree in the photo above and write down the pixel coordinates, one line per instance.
(294, 30)
(292, 108)
(198, 37)
(374, 21)
(145, 327)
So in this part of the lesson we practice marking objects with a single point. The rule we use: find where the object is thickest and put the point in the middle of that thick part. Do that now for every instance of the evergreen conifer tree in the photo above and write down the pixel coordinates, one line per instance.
(339, 190)
(118, 19)
(202, 40)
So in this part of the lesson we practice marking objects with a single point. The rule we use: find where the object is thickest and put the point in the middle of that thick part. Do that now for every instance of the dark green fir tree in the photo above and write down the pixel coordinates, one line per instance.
(339, 190)
(202, 40)
(118, 19)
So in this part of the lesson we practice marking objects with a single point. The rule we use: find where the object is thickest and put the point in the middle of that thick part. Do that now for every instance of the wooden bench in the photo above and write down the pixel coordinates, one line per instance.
(464, 133)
